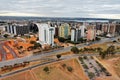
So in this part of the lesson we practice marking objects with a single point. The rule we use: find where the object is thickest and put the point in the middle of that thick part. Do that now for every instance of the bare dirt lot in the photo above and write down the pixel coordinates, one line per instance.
(57, 71)
(21, 76)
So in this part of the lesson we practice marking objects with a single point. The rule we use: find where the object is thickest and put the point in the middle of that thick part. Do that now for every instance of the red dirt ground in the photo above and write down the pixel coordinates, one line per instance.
(21, 76)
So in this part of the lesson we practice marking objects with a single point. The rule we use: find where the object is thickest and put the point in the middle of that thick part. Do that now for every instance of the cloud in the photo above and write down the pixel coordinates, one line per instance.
(61, 8)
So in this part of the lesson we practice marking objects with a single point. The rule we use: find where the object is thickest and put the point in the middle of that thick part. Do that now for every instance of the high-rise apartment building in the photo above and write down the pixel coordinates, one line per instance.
(46, 33)
(17, 29)
(64, 30)
(82, 27)
(91, 32)
(112, 27)
(105, 28)
(117, 30)
(75, 34)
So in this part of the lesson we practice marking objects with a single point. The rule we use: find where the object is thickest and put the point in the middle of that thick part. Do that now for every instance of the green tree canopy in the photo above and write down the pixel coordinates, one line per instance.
(61, 39)
(75, 50)
(58, 56)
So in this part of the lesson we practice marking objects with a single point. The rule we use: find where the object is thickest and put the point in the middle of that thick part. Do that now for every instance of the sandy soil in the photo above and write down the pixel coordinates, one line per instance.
(21, 76)
(57, 72)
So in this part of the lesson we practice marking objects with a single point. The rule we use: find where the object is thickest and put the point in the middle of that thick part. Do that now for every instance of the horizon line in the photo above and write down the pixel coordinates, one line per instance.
(63, 17)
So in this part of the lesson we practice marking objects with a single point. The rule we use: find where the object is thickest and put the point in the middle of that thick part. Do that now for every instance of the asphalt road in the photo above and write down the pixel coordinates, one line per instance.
(39, 56)
(49, 60)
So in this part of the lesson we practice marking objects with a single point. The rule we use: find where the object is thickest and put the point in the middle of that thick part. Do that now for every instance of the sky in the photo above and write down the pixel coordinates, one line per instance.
(61, 8)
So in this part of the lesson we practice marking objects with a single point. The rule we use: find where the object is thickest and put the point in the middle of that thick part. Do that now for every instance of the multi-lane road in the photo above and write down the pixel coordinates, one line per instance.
(54, 52)
(50, 60)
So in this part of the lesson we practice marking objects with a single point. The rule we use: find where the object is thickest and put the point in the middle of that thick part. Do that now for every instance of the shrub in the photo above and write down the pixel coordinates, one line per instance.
(46, 69)
(61, 39)
(58, 56)
(32, 42)
(69, 68)
(85, 66)
(6, 35)
(81, 59)
(91, 75)
(75, 49)
(85, 57)
(63, 65)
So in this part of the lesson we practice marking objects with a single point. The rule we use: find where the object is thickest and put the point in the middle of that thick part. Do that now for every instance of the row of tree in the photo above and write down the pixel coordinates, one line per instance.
(110, 51)
(36, 45)
(76, 50)
(16, 65)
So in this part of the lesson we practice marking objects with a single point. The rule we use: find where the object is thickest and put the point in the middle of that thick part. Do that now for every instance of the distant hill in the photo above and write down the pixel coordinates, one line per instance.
(52, 18)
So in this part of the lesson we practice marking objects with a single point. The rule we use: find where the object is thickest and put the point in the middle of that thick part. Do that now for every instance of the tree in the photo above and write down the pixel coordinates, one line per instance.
(10, 67)
(110, 50)
(91, 75)
(6, 35)
(69, 37)
(32, 42)
(37, 39)
(113, 50)
(69, 68)
(81, 40)
(97, 38)
(75, 50)
(46, 69)
(36, 45)
(64, 65)
(102, 54)
(21, 47)
(61, 39)
(114, 41)
(99, 49)
(58, 56)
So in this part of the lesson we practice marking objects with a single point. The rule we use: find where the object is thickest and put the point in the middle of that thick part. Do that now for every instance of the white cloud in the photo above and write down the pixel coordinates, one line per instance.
(61, 8)
(20, 14)
(110, 16)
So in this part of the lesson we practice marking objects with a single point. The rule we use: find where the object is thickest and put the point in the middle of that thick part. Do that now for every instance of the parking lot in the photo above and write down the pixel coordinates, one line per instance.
(92, 68)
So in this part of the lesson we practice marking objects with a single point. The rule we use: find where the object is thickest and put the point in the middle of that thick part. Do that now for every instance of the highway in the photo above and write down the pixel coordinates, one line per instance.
(42, 55)
(50, 60)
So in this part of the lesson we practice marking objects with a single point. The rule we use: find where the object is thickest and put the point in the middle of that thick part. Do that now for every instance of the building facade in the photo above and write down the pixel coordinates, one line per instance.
(117, 30)
(64, 30)
(17, 29)
(75, 34)
(82, 27)
(91, 33)
(46, 34)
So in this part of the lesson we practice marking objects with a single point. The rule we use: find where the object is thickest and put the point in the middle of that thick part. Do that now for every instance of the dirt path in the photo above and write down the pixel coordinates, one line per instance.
(33, 75)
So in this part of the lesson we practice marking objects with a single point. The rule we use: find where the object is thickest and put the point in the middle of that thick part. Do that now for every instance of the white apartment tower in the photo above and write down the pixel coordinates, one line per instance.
(46, 34)
(75, 34)
(82, 27)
